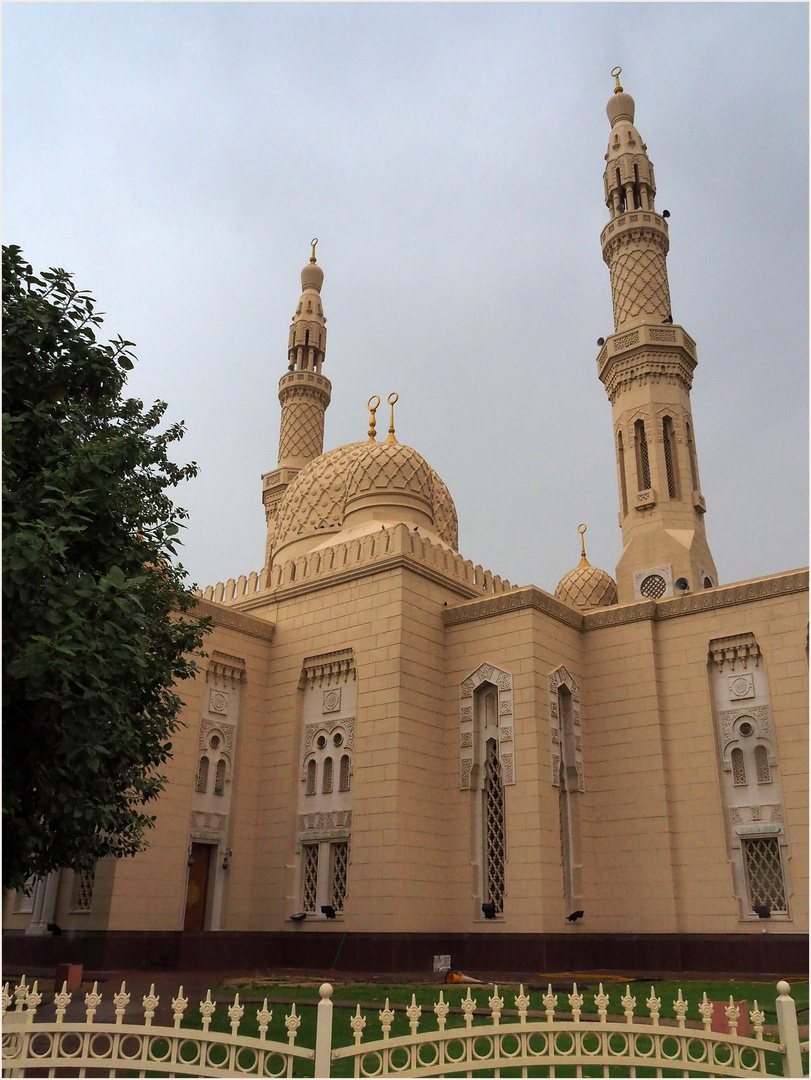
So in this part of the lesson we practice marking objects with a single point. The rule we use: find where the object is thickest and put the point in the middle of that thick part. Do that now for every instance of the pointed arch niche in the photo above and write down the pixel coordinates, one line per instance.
(565, 729)
(486, 683)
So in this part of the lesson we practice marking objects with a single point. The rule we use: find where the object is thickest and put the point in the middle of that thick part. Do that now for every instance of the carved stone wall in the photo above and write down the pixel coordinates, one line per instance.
(561, 677)
(503, 681)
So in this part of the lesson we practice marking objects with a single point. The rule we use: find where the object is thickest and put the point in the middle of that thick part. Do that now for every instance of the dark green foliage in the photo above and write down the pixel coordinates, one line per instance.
(95, 623)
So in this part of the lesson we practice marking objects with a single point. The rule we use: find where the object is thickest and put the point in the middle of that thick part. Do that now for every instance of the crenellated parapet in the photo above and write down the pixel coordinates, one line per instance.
(355, 556)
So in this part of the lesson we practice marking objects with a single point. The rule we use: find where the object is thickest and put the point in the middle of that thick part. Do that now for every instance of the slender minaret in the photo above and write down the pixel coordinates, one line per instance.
(304, 393)
(647, 368)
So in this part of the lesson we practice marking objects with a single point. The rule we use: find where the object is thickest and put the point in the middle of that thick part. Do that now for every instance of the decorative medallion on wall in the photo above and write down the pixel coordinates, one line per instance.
(347, 725)
(226, 731)
(741, 686)
(503, 682)
(217, 701)
(332, 700)
(562, 677)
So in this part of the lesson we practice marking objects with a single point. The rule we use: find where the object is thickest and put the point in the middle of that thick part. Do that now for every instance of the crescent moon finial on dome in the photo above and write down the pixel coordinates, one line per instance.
(313, 242)
(392, 399)
(372, 410)
(582, 529)
(615, 73)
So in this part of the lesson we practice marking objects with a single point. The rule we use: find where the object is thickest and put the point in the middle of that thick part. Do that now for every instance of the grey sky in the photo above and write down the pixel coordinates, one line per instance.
(177, 158)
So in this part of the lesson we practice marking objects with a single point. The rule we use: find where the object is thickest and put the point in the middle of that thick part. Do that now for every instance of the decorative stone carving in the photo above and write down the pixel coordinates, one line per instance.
(562, 677)
(310, 730)
(217, 701)
(206, 826)
(555, 735)
(503, 681)
(741, 686)
(224, 669)
(555, 770)
(777, 813)
(227, 732)
(758, 713)
(757, 813)
(465, 767)
(507, 769)
(735, 815)
(738, 649)
(466, 738)
(332, 700)
(578, 742)
(333, 667)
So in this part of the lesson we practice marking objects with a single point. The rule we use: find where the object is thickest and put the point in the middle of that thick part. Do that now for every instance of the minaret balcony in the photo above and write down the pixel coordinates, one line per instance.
(305, 378)
(635, 219)
(648, 351)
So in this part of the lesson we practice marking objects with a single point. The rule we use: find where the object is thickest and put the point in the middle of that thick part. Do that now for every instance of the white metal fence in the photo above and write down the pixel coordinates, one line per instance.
(588, 1046)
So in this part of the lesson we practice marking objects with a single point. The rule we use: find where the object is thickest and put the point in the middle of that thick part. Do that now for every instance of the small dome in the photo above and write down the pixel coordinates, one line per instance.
(359, 487)
(312, 277)
(587, 587)
(620, 107)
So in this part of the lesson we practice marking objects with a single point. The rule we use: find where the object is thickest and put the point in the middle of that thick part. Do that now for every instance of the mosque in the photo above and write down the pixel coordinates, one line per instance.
(393, 756)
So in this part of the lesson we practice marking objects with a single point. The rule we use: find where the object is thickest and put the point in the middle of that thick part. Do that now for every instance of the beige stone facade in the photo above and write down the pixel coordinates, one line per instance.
(406, 741)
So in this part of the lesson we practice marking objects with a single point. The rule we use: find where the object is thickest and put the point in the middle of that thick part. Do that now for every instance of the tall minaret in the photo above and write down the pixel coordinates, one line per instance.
(304, 393)
(647, 368)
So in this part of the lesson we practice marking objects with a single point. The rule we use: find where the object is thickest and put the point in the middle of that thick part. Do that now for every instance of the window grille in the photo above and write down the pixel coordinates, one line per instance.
(83, 890)
(310, 789)
(653, 586)
(642, 462)
(764, 874)
(343, 778)
(494, 833)
(764, 773)
(326, 784)
(738, 768)
(669, 442)
(219, 778)
(340, 861)
(201, 783)
(309, 897)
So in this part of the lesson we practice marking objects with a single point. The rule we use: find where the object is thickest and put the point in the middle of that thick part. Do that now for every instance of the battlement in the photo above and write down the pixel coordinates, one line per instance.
(341, 558)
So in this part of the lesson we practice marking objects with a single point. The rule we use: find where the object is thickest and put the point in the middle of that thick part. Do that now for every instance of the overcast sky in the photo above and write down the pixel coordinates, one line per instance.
(177, 158)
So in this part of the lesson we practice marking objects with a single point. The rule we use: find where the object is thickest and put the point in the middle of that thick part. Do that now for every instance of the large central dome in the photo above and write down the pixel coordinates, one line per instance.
(356, 489)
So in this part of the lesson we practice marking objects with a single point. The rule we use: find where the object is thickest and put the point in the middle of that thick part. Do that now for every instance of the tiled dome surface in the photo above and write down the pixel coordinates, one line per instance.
(587, 587)
(316, 500)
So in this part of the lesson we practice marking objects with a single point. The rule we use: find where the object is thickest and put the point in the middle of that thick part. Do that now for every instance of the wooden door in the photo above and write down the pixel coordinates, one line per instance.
(197, 890)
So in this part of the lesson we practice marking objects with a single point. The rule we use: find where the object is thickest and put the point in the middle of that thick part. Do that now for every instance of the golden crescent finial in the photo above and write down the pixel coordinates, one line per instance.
(582, 530)
(392, 399)
(372, 410)
(615, 74)
(313, 242)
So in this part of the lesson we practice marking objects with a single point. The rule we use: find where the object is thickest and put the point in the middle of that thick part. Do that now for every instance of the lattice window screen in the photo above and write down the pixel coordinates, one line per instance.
(201, 783)
(219, 778)
(764, 873)
(310, 778)
(340, 861)
(326, 785)
(764, 773)
(653, 586)
(494, 831)
(343, 778)
(309, 898)
(83, 890)
(738, 768)
(667, 442)
(643, 463)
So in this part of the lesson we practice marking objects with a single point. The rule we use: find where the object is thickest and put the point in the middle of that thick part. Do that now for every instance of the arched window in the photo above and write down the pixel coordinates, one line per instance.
(621, 466)
(764, 773)
(310, 789)
(641, 453)
(201, 783)
(343, 777)
(671, 459)
(219, 778)
(738, 768)
(494, 833)
(326, 783)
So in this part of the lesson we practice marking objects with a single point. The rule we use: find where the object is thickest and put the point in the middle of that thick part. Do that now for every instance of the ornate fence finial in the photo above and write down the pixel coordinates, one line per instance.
(441, 1008)
(576, 1002)
(292, 1022)
(521, 1004)
(357, 1023)
(705, 1009)
(61, 1002)
(121, 1000)
(628, 1004)
(179, 1007)
(263, 1018)
(207, 1008)
(496, 1004)
(601, 1001)
(680, 1009)
(235, 1014)
(414, 1012)
(468, 1005)
(550, 1002)
(150, 1003)
(92, 1001)
(386, 1016)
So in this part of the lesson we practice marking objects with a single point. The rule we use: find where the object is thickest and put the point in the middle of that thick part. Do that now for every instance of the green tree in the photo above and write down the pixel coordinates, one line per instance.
(98, 626)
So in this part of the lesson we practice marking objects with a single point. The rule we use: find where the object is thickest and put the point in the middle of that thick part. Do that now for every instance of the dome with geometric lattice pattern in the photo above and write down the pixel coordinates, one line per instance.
(360, 488)
(586, 586)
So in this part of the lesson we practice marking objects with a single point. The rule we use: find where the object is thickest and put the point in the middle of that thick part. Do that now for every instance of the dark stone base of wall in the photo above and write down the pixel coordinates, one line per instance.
(774, 955)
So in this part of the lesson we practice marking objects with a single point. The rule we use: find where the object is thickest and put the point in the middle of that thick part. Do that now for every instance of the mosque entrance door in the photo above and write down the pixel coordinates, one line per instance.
(197, 889)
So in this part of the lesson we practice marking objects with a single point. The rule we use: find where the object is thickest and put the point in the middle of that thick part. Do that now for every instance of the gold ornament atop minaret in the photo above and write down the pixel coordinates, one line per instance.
(304, 393)
(392, 399)
(582, 529)
(372, 410)
(647, 366)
